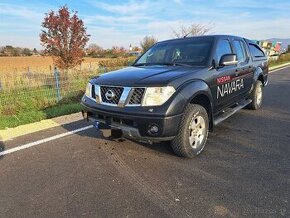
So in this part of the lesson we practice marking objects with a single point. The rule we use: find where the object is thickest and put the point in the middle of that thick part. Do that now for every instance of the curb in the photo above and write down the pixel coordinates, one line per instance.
(279, 66)
(11, 133)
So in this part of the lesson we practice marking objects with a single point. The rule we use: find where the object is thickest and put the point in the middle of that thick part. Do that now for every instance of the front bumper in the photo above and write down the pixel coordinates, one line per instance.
(135, 126)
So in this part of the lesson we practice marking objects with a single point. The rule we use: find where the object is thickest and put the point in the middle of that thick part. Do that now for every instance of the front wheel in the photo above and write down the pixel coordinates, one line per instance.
(192, 133)
(256, 96)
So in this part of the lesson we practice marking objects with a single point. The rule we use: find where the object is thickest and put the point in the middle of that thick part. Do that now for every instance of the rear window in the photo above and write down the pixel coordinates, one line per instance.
(256, 51)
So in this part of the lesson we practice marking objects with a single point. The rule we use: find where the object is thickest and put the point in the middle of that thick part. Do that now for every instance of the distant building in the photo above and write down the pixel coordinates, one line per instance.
(271, 48)
(134, 51)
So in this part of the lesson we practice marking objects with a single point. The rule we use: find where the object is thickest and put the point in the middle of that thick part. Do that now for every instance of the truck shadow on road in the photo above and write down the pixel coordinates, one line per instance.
(161, 147)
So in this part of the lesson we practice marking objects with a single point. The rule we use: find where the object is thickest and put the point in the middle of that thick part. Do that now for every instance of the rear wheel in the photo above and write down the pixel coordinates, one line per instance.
(256, 96)
(193, 132)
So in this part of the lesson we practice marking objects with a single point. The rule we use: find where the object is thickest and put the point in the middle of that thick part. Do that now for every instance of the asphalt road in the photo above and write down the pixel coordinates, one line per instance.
(244, 170)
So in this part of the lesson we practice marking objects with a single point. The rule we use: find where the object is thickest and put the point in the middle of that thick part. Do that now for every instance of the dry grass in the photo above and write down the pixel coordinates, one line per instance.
(36, 71)
(29, 83)
(44, 65)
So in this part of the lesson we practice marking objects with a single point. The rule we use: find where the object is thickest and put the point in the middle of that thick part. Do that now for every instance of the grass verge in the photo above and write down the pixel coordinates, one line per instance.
(31, 116)
(278, 63)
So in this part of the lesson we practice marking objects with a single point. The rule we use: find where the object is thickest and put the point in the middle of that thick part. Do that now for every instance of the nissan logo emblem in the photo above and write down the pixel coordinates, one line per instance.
(110, 95)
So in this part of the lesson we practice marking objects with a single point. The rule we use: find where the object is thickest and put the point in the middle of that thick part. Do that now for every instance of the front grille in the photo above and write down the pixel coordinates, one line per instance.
(117, 92)
(137, 96)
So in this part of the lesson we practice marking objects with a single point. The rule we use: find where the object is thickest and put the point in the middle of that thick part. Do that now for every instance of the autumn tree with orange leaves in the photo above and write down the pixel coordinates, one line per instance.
(64, 37)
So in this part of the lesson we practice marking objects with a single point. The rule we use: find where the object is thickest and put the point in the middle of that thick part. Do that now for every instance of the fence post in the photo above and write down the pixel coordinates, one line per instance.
(56, 77)
(28, 72)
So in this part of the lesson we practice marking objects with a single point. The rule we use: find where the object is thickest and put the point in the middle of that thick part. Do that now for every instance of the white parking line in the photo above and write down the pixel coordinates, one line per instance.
(21, 147)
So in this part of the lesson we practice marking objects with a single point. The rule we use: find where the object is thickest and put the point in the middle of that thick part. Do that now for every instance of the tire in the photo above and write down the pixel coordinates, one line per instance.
(256, 96)
(193, 132)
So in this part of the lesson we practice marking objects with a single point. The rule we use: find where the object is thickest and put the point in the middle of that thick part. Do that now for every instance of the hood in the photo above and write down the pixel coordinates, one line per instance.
(144, 76)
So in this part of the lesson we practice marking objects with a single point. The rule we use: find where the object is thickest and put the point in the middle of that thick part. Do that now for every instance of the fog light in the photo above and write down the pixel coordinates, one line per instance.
(153, 129)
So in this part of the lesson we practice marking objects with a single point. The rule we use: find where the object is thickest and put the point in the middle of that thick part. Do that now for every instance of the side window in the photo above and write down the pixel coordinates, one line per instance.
(223, 47)
(256, 51)
(241, 52)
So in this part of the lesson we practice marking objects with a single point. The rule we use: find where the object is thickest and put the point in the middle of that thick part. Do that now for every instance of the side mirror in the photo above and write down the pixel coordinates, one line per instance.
(228, 60)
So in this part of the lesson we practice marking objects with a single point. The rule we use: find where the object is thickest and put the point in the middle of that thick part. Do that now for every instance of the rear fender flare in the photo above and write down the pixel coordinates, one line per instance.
(258, 72)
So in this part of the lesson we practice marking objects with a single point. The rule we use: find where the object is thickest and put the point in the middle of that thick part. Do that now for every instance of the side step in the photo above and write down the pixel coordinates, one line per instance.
(230, 111)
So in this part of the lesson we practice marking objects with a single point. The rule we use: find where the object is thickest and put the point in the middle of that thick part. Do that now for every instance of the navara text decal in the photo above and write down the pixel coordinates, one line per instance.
(226, 85)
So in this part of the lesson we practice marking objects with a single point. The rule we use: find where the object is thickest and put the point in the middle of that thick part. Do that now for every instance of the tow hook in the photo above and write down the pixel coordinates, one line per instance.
(108, 131)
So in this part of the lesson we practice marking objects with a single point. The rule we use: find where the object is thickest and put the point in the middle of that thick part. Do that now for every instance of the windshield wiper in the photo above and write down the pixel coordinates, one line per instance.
(175, 64)
(163, 63)
(142, 64)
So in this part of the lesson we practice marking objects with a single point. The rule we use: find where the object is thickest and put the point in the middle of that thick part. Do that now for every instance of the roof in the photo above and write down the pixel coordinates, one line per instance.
(203, 36)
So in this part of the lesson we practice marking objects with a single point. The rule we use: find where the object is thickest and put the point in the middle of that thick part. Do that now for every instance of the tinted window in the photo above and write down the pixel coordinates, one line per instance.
(223, 47)
(256, 51)
(240, 50)
(194, 51)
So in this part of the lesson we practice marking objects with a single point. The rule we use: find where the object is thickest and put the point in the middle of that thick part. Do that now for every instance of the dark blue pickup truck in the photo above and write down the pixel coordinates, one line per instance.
(178, 90)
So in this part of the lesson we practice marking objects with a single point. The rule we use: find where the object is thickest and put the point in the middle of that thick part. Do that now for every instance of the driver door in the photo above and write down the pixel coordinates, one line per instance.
(223, 76)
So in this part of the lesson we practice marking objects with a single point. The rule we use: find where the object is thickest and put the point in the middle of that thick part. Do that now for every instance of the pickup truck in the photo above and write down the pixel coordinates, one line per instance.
(178, 90)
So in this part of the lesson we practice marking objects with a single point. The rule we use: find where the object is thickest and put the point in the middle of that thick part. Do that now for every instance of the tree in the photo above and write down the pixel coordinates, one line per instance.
(94, 50)
(288, 49)
(64, 37)
(136, 48)
(192, 30)
(16, 51)
(147, 42)
(26, 52)
(35, 51)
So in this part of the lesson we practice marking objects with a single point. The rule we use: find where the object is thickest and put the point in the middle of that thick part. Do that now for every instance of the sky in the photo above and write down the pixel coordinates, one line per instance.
(122, 22)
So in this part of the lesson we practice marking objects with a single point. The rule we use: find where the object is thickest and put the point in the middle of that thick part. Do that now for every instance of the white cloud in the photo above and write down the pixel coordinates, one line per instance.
(20, 11)
(107, 37)
(115, 20)
(129, 21)
(262, 29)
(131, 7)
(264, 5)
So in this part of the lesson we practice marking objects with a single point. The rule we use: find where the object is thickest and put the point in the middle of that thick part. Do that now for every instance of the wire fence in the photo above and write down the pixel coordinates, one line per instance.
(33, 90)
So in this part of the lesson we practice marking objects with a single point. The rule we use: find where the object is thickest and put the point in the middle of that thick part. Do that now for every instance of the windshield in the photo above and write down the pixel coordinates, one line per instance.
(191, 51)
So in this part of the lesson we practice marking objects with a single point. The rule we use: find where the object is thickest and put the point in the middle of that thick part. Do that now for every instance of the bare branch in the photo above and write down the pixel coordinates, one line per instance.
(192, 30)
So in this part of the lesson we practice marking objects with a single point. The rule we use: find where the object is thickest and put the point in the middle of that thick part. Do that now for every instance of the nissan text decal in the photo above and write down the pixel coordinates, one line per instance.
(227, 85)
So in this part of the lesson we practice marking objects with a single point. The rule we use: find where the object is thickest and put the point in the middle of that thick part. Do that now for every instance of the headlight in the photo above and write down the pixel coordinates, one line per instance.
(157, 95)
(89, 90)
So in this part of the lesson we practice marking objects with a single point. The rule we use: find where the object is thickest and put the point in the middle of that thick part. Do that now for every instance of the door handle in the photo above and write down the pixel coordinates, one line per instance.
(237, 72)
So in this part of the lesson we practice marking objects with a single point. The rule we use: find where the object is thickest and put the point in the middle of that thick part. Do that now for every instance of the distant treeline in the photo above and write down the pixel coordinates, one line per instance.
(10, 51)
(92, 50)
(95, 51)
